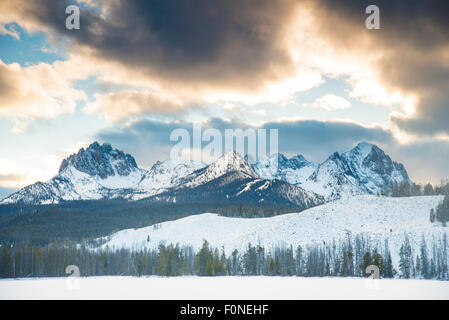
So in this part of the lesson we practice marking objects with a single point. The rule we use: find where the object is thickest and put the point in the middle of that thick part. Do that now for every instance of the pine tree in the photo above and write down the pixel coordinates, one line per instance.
(428, 190)
(425, 272)
(299, 261)
(272, 270)
(404, 189)
(366, 261)
(347, 268)
(388, 263)
(406, 259)
(290, 261)
(204, 261)
(250, 260)
(442, 212)
(378, 261)
(235, 263)
(5, 262)
(395, 190)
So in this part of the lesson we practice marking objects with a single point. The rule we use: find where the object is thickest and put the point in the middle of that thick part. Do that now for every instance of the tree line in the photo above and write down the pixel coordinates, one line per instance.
(348, 258)
(80, 220)
(254, 211)
(441, 213)
(406, 189)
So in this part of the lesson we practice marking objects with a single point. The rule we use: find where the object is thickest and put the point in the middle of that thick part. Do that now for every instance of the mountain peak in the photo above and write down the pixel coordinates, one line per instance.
(102, 172)
(374, 168)
(365, 148)
(278, 162)
(100, 160)
(365, 151)
(232, 161)
(364, 144)
(299, 157)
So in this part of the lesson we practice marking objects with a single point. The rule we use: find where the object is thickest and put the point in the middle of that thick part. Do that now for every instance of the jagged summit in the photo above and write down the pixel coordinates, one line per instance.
(374, 168)
(281, 161)
(232, 179)
(278, 166)
(365, 169)
(102, 172)
(299, 160)
(365, 147)
(231, 161)
(100, 160)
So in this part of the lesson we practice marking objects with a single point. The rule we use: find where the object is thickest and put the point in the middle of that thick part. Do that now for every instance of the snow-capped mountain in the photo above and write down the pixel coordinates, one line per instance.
(101, 172)
(294, 170)
(232, 179)
(366, 169)
(97, 172)
(101, 160)
(164, 176)
(229, 162)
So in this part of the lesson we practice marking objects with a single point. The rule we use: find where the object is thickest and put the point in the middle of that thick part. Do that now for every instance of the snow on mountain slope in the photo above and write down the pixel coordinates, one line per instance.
(235, 187)
(373, 168)
(229, 162)
(231, 179)
(94, 173)
(377, 217)
(100, 160)
(294, 170)
(365, 169)
(163, 176)
(101, 172)
(334, 180)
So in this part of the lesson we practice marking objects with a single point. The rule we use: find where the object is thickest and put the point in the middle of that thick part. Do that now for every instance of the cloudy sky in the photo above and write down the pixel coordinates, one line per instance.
(136, 70)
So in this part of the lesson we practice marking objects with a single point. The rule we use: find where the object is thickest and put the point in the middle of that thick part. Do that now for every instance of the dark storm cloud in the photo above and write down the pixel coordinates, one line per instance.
(414, 42)
(417, 23)
(197, 40)
(431, 118)
(318, 139)
(238, 44)
(150, 140)
(147, 140)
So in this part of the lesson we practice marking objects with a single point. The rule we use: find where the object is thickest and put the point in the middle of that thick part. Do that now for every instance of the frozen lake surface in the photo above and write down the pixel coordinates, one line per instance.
(226, 288)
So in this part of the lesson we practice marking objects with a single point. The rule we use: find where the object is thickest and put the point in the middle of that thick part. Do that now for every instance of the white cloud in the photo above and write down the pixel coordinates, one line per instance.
(24, 169)
(118, 106)
(35, 92)
(12, 175)
(231, 107)
(259, 112)
(329, 102)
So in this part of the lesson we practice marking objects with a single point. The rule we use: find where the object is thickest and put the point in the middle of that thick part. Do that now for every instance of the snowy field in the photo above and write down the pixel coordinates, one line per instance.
(378, 218)
(226, 288)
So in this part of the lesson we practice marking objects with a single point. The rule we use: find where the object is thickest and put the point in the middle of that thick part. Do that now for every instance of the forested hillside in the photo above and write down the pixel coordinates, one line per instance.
(80, 220)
